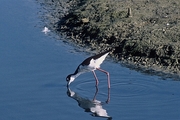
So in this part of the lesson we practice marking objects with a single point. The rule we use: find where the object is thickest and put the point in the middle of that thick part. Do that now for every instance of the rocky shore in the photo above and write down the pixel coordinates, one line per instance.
(143, 33)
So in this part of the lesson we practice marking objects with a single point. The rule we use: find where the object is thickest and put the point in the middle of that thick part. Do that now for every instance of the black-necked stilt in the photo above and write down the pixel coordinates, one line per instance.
(90, 64)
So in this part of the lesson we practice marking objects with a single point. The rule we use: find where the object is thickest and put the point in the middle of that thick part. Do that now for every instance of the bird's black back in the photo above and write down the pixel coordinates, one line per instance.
(87, 61)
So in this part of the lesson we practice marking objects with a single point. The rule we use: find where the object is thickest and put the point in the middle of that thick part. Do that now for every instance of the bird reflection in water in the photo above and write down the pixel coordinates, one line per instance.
(94, 106)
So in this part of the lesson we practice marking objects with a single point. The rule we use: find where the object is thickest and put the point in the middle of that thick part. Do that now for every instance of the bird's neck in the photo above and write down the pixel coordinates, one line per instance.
(75, 75)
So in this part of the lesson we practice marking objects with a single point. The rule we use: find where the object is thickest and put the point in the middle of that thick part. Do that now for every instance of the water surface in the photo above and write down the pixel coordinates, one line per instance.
(34, 67)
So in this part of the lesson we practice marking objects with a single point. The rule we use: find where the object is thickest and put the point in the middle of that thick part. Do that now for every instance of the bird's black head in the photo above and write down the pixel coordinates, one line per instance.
(70, 78)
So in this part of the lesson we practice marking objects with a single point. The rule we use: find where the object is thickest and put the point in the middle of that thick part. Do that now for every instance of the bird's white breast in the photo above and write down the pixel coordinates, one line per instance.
(83, 69)
(94, 64)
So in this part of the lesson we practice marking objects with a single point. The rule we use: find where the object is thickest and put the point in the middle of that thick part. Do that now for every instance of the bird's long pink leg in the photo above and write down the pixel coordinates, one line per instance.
(95, 93)
(107, 73)
(95, 78)
(108, 99)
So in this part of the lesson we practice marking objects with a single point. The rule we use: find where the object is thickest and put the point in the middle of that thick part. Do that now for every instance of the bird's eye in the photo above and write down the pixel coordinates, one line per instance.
(68, 78)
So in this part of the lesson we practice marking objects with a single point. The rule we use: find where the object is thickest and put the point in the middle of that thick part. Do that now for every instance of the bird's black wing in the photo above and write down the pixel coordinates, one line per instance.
(87, 60)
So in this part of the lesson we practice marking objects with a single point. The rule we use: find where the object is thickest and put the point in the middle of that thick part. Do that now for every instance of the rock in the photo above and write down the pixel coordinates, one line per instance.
(85, 20)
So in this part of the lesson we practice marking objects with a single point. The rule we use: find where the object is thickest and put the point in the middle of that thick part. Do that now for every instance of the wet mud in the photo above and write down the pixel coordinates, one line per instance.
(143, 33)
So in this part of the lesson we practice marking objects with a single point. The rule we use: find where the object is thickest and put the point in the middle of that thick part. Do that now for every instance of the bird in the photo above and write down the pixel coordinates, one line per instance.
(90, 64)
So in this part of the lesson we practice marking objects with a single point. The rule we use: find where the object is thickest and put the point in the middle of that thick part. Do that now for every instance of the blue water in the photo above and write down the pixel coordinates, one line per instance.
(34, 66)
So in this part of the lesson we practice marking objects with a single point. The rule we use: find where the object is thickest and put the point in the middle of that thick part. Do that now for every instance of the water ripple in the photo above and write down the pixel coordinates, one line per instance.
(139, 89)
(129, 89)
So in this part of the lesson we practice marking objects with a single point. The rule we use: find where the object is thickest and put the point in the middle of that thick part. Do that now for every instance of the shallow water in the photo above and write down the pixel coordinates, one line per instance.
(34, 67)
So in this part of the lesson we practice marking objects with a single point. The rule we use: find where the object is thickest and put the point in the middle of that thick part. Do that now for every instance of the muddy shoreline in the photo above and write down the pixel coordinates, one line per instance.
(143, 33)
